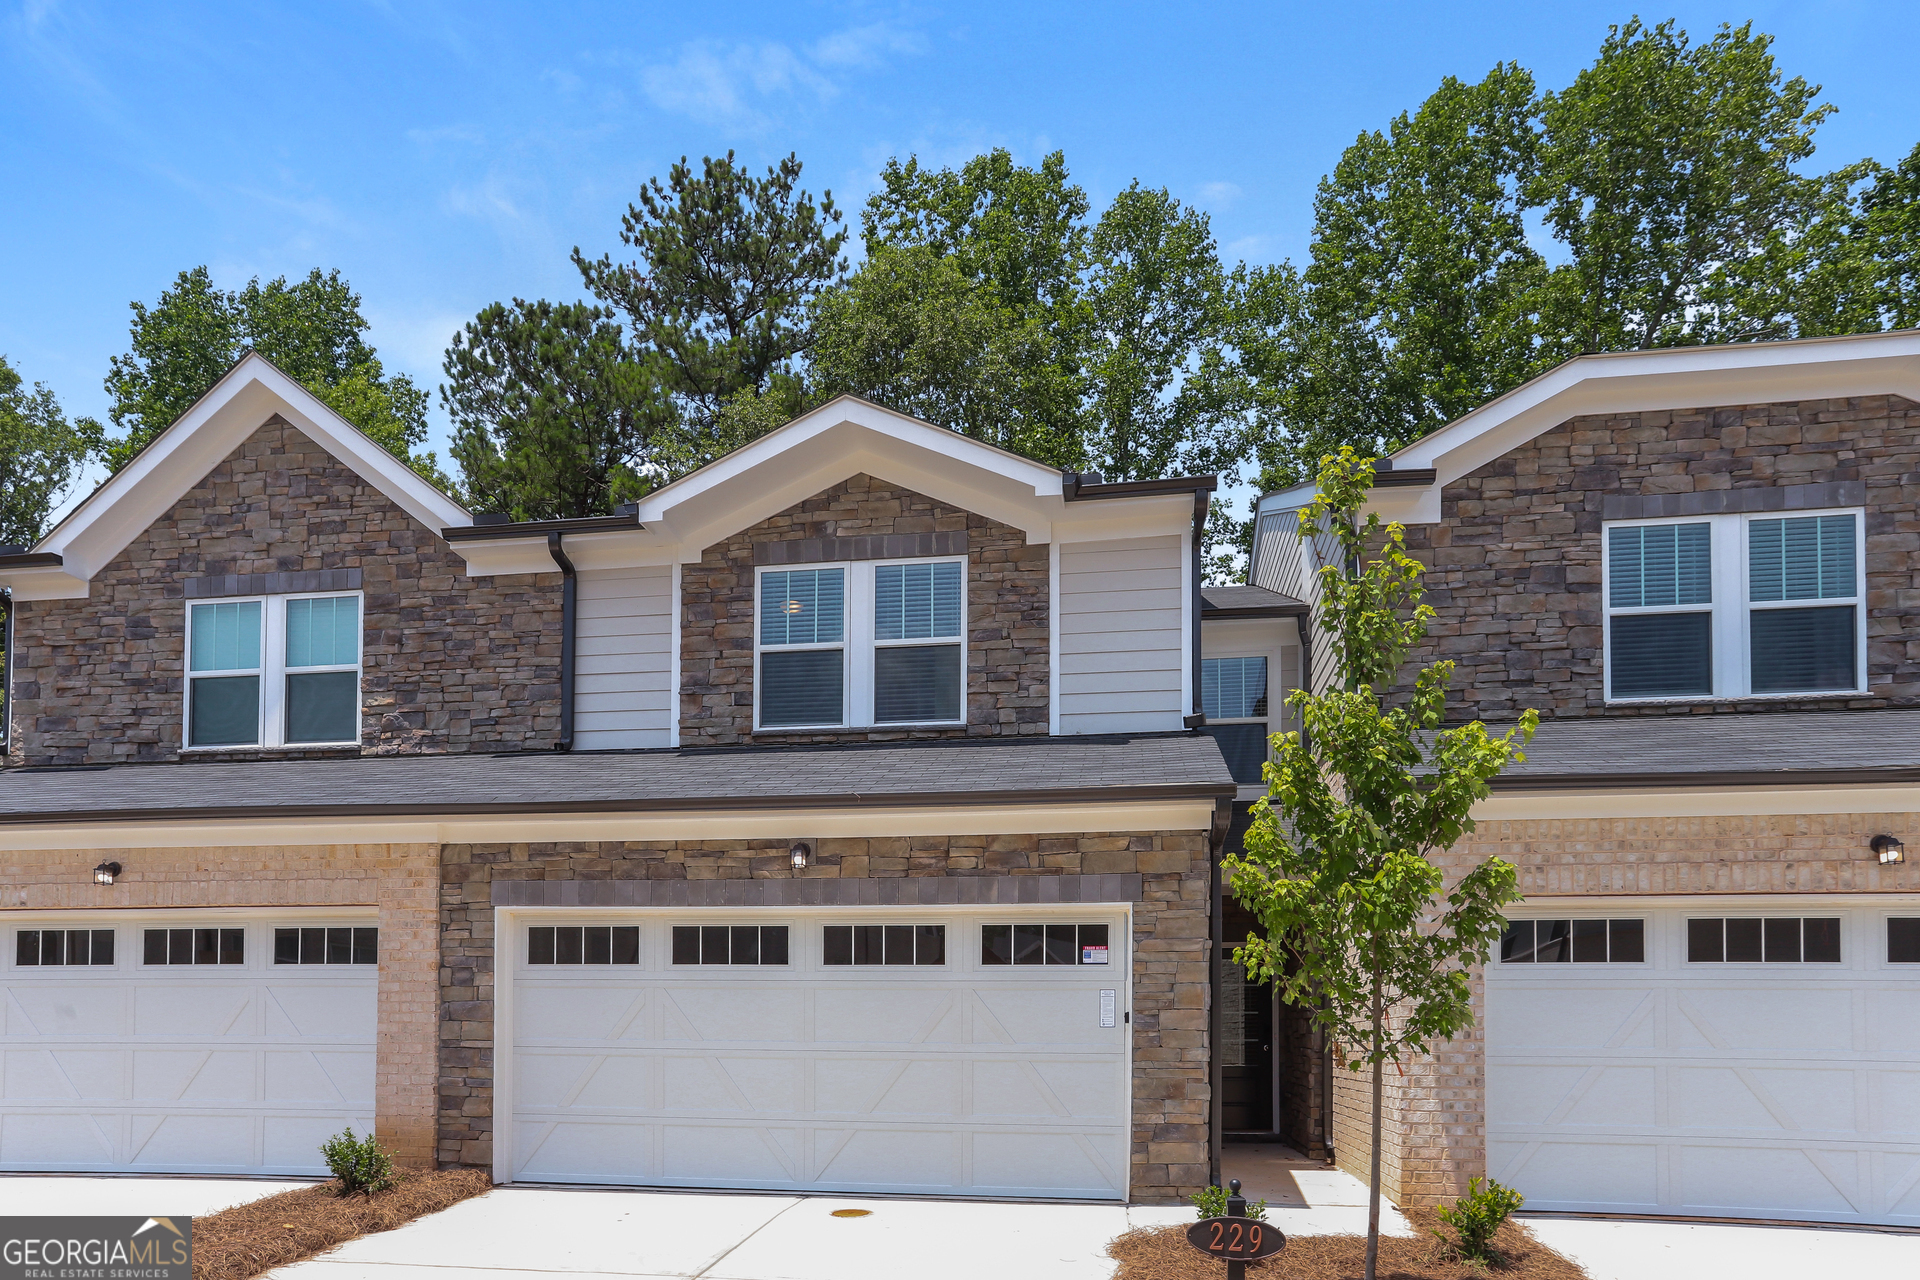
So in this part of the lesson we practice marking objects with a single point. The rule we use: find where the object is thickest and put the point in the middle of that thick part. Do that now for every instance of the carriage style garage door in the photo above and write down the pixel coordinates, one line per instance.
(208, 1043)
(1738, 1059)
(876, 1050)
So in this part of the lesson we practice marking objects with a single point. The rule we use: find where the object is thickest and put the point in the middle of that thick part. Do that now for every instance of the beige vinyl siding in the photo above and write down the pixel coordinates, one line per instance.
(624, 656)
(1121, 633)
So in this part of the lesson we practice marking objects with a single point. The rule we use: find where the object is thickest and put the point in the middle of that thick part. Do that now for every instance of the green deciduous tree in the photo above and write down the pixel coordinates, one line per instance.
(1360, 925)
(1421, 298)
(311, 328)
(41, 454)
(1668, 170)
(728, 267)
(554, 415)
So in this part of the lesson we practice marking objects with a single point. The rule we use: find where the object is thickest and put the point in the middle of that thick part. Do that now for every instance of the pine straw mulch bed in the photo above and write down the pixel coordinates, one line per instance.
(252, 1239)
(1162, 1253)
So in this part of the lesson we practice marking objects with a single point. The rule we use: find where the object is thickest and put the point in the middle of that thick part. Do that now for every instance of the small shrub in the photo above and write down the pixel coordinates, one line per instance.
(359, 1163)
(1476, 1216)
(1212, 1203)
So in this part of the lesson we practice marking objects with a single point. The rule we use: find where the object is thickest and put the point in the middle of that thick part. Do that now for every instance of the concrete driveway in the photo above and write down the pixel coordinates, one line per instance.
(65, 1194)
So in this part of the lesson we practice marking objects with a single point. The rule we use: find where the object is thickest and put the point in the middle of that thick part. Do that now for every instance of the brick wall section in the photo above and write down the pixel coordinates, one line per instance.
(1515, 561)
(452, 663)
(1171, 1093)
(1436, 1114)
(1008, 624)
(400, 879)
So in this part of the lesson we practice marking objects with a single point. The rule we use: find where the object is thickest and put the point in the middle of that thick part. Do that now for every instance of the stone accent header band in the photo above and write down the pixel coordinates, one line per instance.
(886, 546)
(894, 891)
(273, 584)
(1713, 502)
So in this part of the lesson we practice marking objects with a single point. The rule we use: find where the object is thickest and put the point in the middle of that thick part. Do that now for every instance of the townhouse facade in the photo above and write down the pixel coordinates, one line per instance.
(1700, 567)
(840, 817)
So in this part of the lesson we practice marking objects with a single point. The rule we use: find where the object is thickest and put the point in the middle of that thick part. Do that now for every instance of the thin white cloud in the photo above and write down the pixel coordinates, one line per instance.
(738, 84)
(866, 46)
(1220, 193)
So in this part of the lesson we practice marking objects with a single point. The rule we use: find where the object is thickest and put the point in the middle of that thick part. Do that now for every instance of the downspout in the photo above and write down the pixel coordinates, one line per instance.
(1216, 845)
(569, 604)
(6, 677)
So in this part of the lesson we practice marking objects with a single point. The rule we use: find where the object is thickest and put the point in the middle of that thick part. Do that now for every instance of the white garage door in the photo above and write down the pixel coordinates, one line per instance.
(1726, 1059)
(873, 1051)
(186, 1044)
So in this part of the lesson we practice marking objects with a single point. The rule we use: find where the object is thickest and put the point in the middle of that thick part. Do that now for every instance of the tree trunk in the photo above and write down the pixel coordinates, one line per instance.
(1373, 1177)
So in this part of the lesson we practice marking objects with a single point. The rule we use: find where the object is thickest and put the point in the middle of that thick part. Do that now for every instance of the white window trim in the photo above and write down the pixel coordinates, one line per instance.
(857, 646)
(271, 732)
(1732, 663)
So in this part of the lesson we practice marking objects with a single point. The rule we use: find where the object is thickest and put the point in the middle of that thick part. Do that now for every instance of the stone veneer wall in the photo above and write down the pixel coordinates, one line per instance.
(1171, 1092)
(401, 880)
(1008, 624)
(1436, 1114)
(452, 663)
(1514, 571)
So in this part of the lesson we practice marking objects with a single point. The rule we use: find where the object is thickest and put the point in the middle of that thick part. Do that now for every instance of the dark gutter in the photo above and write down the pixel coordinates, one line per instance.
(1075, 491)
(31, 560)
(1412, 478)
(541, 528)
(1297, 610)
(1058, 795)
(1703, 778)
(569, 609)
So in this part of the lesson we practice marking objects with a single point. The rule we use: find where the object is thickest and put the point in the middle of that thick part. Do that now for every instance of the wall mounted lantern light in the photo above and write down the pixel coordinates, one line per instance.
(1888, 849)
(105, 872)
(801, 854)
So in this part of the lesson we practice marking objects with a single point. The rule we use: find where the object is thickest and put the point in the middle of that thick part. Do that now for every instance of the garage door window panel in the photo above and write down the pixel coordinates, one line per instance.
(1574, 942)
(1043, 944)
(717, 944)
(883, 944)
(194, 947)
(47, 948)
(1769, 940)
(332, 944)
(583, 944)
(1903, 940)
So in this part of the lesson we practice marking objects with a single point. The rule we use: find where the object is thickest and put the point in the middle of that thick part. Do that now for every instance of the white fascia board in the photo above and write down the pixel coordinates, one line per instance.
(603, 549)
(1649, 381)
(43, 582)
(205, 436)
(1147, 516)
(767, 476)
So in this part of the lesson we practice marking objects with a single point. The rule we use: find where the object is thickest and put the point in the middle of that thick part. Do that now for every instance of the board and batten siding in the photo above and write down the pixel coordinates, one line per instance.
(623, 695)
(1122, 655)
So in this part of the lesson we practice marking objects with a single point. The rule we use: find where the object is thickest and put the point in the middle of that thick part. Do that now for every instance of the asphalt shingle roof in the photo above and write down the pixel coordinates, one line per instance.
(1012, 770)
(1791, 746)
(1242, 599)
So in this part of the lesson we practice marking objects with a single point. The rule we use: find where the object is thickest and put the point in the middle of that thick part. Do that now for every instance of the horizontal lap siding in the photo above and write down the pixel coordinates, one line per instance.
(1121, 629)
(624, 658)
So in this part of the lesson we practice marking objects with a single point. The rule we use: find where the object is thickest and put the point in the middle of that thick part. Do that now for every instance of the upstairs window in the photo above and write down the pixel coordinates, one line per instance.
(1233, 693)
(859, 645)
(276, 671)
(1734, 606)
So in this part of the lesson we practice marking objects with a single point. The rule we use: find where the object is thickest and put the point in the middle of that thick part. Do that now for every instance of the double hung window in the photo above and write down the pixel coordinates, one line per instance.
(1233, 693)
(1732, 606)
(274, 671)
(861, 644)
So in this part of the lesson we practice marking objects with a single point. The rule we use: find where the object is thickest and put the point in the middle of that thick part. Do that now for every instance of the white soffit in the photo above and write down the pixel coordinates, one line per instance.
(1641, 382)
(843, 438)
(201, 439)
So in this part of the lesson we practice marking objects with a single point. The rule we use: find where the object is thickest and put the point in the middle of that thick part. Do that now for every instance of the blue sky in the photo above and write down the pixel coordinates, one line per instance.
(445, 156)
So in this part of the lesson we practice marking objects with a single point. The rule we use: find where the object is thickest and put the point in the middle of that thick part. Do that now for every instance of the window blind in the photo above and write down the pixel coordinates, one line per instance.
(802, 606)
(1233, 688)
(1803, 558)
(1661, 655)
(323, 633)
(1650, 566)
(1802, 650)
(916, 601)
(226, 637)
